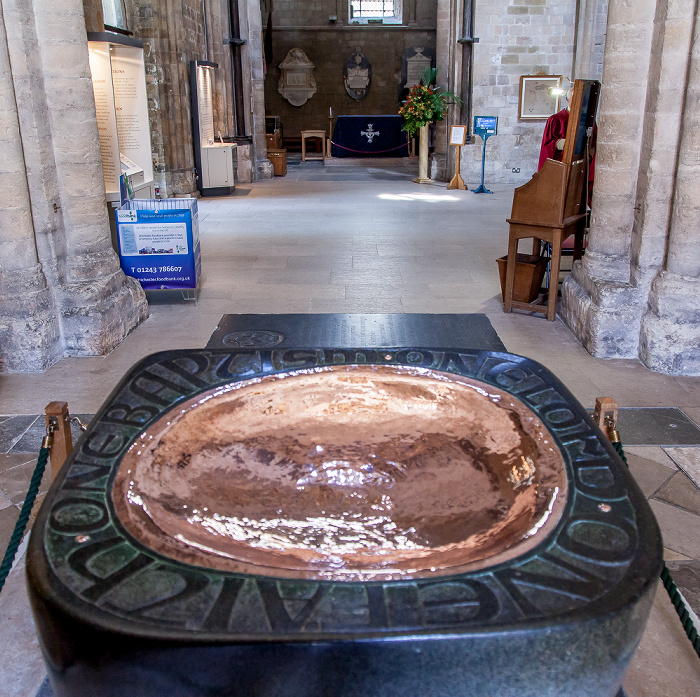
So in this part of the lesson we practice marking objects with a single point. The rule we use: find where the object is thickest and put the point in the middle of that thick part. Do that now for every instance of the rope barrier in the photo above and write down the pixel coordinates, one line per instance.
(673, 592)
(21, 524)
(370, 152)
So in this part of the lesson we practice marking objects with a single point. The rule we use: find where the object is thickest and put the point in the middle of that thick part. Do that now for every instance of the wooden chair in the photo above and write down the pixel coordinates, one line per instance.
(551, 207)
(547, 210)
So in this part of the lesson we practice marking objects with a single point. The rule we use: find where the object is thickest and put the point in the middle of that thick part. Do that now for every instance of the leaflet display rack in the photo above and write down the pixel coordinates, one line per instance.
(159, 242)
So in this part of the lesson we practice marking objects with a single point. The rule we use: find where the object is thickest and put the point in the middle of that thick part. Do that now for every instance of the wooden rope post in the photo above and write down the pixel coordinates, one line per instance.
(58, 420)
(330, 136)
(605, 414)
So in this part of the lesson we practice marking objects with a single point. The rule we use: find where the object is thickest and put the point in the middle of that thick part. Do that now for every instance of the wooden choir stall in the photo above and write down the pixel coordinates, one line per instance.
(552, 205)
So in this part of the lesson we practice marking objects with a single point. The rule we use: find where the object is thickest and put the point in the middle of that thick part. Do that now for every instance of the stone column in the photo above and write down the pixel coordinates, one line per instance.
(29, 330)
(99, 305)
(254, 87)
(590, 39)
(605, 296)
(670, 332)
(448, 22)
(47, 45)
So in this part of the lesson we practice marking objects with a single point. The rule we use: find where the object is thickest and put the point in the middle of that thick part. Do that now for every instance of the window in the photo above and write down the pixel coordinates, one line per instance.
(371, 11)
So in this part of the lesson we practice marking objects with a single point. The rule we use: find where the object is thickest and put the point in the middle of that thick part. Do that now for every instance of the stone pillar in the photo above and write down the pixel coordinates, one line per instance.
(173, 35)
(29, 329)
(670, 332)
(641, 105)
(97, 304)
(448, 63)
(589, 44)
(254, 87)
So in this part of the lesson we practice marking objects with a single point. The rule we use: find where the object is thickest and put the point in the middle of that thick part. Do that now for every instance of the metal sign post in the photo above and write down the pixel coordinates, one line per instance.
(484, 126)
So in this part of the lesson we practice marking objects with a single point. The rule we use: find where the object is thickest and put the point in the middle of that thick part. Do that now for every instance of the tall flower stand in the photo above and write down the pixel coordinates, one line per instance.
(422, 177)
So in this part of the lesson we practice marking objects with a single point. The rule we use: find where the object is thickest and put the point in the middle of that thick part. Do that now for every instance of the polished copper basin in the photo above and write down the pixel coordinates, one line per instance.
(346, 473)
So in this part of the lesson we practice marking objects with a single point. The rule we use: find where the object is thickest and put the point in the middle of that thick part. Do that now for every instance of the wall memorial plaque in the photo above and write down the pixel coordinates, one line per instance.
(415, 66)
(297, 84)
(357, 75)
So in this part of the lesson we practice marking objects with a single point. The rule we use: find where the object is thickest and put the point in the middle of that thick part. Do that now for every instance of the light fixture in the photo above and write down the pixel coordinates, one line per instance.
(560, 91)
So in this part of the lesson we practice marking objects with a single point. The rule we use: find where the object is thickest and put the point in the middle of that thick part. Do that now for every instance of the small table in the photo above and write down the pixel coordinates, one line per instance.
(313, 134)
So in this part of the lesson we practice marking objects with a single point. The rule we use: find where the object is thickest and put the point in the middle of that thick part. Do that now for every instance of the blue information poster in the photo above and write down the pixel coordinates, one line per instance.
(485, 126)
(159, 242)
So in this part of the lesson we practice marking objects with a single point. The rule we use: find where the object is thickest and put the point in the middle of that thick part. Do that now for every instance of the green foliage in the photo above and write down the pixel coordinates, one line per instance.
(425, 104)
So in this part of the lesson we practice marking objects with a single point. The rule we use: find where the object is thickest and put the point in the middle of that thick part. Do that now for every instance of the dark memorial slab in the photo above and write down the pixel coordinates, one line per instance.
(473, 331)
(369, 136)
(291, 522)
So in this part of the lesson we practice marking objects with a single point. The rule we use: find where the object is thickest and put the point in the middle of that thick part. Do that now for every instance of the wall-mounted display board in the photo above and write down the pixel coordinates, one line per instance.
(536, 98)
(215, 162)
(119, 86)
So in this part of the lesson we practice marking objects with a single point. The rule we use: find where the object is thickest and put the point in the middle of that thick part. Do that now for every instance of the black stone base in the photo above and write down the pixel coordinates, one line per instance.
(115, 618)
(462, 331)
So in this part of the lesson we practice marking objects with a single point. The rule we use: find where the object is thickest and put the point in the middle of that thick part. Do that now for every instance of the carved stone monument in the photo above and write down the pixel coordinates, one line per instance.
(357, 75)
(351, 522)
(414, 65)
(297, 84)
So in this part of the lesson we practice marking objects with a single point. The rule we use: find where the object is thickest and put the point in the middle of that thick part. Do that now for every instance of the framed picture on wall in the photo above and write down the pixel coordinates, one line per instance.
(536, 98)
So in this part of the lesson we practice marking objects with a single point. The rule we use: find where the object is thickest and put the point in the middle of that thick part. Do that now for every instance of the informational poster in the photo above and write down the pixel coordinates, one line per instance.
(121, 105)
(485, 126)
(458, 135)
(100, 67)
(205, 101)
(160, 247)
(131, 107)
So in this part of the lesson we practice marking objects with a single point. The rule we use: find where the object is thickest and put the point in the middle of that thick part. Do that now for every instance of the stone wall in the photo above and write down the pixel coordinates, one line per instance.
(328, 45)
(173, 35)
(516, 37)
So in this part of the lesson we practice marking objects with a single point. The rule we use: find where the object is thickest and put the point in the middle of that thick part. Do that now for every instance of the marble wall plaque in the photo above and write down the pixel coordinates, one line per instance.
(415, 61)
(297, 83)
(357, 75)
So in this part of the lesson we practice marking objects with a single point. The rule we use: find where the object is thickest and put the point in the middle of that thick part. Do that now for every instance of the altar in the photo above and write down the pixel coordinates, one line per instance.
(369, 136)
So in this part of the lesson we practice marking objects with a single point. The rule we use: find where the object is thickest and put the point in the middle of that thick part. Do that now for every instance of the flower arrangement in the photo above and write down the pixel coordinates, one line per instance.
(425, 104)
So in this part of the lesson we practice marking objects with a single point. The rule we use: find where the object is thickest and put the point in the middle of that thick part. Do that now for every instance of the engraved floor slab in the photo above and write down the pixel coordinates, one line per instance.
(468, 331)
(656, 426)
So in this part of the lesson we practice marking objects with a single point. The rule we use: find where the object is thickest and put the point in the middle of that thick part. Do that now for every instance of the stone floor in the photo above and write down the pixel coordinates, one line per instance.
(361, 237)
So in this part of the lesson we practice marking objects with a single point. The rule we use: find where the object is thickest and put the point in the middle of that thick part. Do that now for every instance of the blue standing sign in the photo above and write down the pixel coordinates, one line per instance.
(484, 126)
(159, 242)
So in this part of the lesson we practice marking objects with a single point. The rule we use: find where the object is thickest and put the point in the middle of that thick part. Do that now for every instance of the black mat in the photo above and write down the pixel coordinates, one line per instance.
(656, 426)
(473, 331)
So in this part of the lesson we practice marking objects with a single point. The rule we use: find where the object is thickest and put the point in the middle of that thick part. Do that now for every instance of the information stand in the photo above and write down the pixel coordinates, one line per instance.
(121, 104)
(215, 162)
(458, 137)
(159, 242)
(484, 126)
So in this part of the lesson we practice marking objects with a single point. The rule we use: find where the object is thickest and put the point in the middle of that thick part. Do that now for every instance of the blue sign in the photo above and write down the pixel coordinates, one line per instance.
(485, 126)
(159, 242)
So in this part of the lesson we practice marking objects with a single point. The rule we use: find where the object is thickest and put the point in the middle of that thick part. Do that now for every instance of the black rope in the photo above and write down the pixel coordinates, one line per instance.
(24, 514)
(670, 586)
